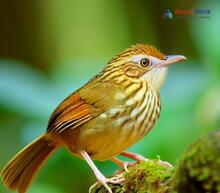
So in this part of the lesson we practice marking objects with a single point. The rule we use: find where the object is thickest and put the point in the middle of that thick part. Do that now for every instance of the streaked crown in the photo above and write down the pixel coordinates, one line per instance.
(143, 62)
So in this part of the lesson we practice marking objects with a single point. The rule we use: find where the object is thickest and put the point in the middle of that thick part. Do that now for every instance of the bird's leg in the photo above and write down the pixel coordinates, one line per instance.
(122, 164)
(100, 177)
(138, 158)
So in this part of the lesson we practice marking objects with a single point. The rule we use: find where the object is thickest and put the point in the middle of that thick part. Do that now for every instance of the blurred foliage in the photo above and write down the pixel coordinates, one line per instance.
(50, 48)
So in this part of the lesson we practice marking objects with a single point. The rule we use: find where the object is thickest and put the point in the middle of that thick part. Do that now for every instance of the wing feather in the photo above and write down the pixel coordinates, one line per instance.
(82, 106)
(71, 113)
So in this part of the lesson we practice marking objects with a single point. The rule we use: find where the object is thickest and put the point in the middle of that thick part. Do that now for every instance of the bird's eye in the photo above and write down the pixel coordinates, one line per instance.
(144, 62)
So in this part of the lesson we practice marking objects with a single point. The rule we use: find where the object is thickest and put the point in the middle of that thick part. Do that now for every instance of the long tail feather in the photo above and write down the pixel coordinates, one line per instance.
(21, 170)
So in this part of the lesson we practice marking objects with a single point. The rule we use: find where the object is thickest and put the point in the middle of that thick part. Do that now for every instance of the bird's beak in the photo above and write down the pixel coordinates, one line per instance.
(170, 59)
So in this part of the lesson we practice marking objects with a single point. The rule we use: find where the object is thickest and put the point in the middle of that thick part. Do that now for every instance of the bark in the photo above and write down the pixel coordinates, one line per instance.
(198, 171)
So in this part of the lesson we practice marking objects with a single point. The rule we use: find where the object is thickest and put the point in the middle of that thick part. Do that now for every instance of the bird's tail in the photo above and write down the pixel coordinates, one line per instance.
(20, 171)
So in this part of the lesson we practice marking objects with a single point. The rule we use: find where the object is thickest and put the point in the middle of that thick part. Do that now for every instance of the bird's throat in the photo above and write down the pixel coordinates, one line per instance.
(155, 78)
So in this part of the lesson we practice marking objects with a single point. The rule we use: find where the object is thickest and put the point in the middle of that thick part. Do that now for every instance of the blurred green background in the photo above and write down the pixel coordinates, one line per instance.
(49, 48)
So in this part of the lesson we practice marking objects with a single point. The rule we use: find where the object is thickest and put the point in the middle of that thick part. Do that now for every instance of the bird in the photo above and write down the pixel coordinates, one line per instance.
(111, 112)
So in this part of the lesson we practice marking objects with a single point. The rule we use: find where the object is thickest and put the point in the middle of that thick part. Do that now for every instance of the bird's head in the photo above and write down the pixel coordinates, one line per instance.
(144, 62)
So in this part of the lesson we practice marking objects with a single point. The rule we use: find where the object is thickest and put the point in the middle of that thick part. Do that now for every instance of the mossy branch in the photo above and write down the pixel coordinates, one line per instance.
(198, 171)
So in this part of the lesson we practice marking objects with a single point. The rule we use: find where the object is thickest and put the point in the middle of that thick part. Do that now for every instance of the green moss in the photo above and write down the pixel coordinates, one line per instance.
(146, 177)
(199, 167)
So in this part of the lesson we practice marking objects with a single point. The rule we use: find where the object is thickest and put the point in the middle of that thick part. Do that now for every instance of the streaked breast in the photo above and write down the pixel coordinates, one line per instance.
(139, 114)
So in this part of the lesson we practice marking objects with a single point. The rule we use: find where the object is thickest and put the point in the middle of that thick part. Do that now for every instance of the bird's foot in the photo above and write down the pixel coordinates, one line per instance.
(127, 164)
(166, 164)
(104, 181)
(118, 179)
(139, 158)
(122, 164)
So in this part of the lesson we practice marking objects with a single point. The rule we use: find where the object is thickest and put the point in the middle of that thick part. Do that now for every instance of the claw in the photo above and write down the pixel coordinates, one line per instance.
(91, 187)
(104, 181)
(126, 165)
(167, 164)
(122, 164)
(104, 184)
(117, 179)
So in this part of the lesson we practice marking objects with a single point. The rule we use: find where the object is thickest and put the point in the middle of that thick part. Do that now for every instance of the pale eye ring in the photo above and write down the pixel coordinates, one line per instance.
(144, 62)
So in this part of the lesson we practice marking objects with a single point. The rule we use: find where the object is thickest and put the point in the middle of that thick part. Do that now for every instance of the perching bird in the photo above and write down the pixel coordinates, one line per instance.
(114, 110)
